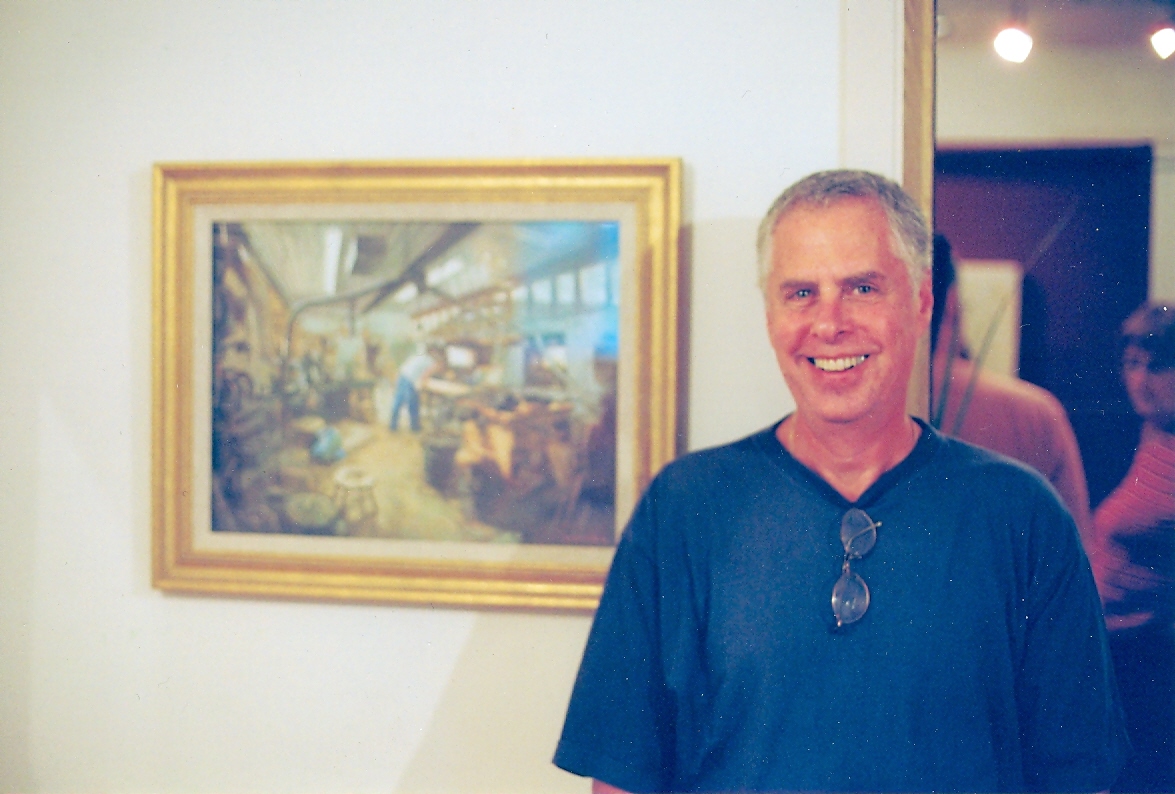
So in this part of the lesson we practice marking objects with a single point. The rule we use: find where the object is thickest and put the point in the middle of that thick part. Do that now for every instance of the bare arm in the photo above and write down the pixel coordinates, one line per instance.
(600, 787)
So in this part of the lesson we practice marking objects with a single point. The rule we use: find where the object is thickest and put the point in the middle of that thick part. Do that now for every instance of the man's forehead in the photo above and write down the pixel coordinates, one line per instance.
(861, 221)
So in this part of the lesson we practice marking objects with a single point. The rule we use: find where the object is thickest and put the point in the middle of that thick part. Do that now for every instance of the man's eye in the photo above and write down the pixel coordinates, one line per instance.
(864, 289)
(800, 294)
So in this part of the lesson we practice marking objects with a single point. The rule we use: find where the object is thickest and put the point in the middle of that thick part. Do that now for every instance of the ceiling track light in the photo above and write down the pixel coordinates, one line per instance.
(1163, 40)
(1013, 43)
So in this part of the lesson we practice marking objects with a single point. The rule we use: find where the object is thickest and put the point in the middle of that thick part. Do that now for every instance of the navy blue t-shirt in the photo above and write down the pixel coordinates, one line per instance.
(713, 663)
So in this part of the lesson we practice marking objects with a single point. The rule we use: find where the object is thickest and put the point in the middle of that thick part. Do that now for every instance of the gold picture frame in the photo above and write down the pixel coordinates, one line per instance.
(507, 310)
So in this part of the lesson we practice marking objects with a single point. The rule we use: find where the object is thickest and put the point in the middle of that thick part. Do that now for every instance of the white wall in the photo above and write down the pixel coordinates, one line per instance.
(1070, 96)
(108, 685)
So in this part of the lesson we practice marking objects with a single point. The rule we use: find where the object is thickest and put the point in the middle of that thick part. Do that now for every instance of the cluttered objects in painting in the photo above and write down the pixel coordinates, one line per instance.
(415, 380)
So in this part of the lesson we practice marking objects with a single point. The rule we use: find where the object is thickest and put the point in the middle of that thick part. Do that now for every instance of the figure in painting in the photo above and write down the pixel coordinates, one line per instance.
(412, 373)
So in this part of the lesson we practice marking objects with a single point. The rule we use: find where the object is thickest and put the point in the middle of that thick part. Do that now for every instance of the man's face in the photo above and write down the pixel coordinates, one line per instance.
(1152, 394)
(843, 316)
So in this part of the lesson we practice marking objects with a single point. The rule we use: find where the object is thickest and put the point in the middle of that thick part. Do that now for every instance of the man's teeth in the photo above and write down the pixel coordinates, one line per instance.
(838, 364)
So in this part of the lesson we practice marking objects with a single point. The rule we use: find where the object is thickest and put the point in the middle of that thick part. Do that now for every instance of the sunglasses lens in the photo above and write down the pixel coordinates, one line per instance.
(850, 598)
(858, 533)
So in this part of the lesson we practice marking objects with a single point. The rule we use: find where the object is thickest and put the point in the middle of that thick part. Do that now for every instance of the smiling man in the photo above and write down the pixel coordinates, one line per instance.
(844, 314)
(846, 601)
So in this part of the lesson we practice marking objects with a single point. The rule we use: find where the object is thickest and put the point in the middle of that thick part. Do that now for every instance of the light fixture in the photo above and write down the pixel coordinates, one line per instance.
(1013, 43)
(1163, 40)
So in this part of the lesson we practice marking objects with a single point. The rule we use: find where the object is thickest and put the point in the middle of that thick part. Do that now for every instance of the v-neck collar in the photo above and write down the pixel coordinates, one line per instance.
(928, 441)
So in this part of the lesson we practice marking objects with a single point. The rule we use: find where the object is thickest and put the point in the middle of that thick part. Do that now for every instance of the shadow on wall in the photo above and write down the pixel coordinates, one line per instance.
(17, 564)
(496, 725)
(744, 391)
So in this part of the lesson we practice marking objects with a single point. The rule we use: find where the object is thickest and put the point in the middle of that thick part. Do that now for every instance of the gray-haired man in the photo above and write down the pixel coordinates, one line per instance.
(846, 600)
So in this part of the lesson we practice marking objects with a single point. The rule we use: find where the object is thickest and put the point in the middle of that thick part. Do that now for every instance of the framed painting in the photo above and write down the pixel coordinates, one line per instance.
(410, 382)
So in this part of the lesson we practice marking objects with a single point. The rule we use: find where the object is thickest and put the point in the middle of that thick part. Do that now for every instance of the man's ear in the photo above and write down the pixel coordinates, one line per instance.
(925, 299)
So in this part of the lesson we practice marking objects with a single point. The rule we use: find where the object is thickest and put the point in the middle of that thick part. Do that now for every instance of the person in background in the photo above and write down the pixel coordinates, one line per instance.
(846, 600)
(413, 372)
(1007, 415)
(1135, 562)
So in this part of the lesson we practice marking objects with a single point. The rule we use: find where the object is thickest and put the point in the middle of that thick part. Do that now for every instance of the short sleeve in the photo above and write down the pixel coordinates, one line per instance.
(618, 727)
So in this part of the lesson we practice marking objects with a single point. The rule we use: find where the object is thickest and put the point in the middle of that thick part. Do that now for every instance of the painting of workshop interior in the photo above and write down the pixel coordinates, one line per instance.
(438, 381)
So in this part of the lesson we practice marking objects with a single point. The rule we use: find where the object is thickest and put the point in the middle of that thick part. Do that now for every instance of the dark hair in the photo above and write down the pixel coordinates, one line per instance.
(1151, 327)
(943, 277)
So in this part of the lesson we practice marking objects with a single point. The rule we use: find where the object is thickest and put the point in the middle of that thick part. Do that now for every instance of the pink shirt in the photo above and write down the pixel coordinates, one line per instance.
(1025, 422)
(1135, 531)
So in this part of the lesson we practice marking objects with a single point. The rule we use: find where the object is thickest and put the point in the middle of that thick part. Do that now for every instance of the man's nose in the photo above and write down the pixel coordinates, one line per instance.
(831, 319)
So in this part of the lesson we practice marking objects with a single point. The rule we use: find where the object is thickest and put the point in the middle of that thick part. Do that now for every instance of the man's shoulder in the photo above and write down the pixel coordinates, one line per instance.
(749, 450)
(693, 499)
(1017, 395)
(736, 464)
(982, 492)
(957, 459)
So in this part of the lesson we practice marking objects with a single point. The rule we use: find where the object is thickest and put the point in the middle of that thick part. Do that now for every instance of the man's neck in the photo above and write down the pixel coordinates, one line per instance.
(848, 457)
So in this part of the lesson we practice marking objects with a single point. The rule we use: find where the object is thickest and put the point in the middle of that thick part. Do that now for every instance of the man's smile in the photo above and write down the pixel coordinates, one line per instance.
(837, 364)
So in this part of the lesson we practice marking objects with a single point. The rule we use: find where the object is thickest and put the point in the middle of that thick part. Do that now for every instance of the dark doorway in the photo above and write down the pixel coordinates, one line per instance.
(1077, 220)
